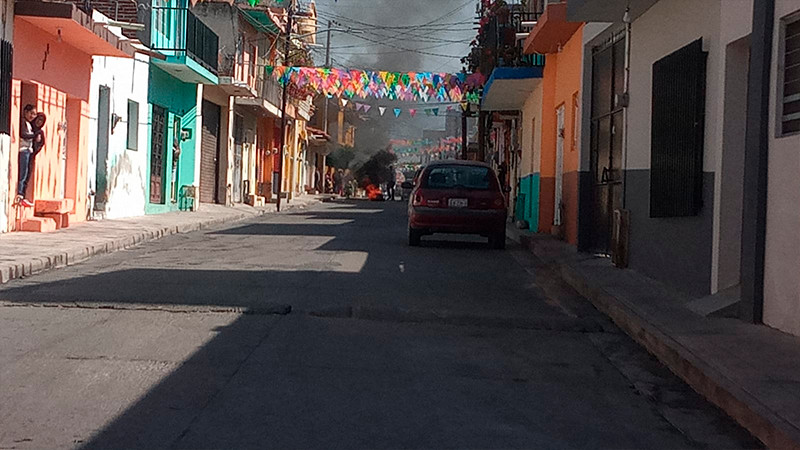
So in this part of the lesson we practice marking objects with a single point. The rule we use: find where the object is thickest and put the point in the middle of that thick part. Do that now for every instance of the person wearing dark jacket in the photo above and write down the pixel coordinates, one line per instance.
(31, 141)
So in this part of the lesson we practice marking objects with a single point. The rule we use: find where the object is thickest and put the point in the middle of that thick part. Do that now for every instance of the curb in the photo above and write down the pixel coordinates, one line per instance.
(71, 257)
(747, 410)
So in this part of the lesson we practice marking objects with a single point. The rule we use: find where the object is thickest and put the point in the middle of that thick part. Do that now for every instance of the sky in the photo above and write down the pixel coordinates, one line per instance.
(401, 36)
(437, 32)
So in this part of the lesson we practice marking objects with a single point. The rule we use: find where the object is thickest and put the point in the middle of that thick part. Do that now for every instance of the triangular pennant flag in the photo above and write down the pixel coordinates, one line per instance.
(344, 102)
(397, 112)
(359, 106)
(367, 108)
(428, 112)
(464, 106)
(413, 112)
(382, 109)
(435, 111)
(449, 108)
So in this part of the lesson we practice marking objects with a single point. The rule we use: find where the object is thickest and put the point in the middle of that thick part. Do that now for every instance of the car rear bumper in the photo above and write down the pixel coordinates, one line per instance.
(468, 221)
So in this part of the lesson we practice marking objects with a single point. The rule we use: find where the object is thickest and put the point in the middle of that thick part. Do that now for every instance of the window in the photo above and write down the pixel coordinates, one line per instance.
(6, 57)
(133, 125)
(458, 176)
(677, 132)
(789, 100)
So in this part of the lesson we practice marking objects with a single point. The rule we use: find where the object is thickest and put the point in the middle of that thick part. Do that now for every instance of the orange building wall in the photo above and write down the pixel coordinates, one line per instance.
(561, 85)
(60, 91)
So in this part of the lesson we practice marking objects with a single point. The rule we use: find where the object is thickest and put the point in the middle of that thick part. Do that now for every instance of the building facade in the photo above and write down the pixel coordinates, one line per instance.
(118, 133)
(59, 86)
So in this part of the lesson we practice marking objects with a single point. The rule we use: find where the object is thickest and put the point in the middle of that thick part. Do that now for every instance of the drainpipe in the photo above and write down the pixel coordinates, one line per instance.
(756, 153)
(625, 103)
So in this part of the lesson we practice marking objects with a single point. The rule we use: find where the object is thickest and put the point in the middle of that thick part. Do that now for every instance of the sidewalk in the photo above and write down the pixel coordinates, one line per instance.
(752, 372)
(24, 254)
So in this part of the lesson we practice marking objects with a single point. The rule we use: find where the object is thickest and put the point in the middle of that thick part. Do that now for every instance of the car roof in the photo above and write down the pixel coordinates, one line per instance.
(457, 162)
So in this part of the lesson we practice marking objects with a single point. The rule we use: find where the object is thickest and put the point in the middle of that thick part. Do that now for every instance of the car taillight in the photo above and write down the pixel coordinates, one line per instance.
(419, 200)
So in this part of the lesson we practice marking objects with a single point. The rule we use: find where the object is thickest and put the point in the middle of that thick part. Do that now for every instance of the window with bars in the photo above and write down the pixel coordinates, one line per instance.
(789, 100)
(6, 58)
(677, 131)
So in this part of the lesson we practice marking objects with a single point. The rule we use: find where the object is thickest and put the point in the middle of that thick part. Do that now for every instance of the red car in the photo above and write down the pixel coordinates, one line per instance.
(461, 197)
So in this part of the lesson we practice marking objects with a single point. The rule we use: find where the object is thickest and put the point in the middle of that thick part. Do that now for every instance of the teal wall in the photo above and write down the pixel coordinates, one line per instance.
(528, 201)
(180, 100)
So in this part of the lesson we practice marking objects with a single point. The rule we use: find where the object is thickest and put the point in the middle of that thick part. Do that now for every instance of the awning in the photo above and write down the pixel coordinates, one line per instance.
(71, 25)
(509, 87)
(263, 19)
(552, 31)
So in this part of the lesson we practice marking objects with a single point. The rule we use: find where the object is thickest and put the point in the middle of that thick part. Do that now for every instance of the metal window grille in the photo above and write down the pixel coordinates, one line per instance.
(6, 59)
(790, 104)
(678, 116)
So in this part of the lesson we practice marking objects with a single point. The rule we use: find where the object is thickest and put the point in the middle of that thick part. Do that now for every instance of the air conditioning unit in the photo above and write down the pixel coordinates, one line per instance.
(619, 237)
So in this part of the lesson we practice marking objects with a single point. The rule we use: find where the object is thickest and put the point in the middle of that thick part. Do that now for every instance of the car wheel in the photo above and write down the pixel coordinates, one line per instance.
(414, 237)
(498, 240)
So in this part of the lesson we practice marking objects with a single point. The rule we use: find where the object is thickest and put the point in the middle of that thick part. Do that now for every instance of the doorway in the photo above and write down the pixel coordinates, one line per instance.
(158, 141)
(101, 162)
(209, 158)
(559, 194)
(238, 153)
(607, 124)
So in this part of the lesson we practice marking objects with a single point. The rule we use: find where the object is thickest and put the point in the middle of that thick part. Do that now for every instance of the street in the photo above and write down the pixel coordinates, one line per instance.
(321, 328)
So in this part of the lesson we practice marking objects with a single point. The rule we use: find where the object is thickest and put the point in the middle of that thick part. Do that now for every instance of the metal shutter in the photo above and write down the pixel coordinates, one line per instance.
(678, 115)
(209, 169)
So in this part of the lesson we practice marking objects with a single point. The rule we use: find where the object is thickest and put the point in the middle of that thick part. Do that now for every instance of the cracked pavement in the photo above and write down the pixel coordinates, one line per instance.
(321, 328)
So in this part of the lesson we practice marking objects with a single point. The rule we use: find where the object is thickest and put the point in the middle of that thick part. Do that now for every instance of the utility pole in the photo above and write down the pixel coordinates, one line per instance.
(286, 49)
(464, 113)
(327, 65)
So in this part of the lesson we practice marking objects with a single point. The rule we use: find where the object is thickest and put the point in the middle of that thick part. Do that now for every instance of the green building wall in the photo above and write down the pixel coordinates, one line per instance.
(180, 101)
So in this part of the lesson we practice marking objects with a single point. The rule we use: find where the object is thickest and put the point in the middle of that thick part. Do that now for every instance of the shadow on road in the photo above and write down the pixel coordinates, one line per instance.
(282, 381)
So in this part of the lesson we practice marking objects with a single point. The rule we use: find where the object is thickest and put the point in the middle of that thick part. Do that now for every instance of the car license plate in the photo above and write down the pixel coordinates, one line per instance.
(457, 203)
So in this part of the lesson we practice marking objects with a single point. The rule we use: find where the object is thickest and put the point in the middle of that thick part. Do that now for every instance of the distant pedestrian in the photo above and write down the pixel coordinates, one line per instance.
(338, 182)
(391, 183)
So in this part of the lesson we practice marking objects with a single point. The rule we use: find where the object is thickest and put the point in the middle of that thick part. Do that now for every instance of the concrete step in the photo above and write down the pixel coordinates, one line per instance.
(61, 219)
(38, 225)
(60, 206)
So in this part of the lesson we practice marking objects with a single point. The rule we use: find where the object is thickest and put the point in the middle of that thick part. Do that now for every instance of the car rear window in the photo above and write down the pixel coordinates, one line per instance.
(460, 176)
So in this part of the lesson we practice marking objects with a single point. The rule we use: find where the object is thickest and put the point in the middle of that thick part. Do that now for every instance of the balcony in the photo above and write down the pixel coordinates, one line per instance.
(189, 47)
(267, 100)
(552, 31)
(605, 11)
(237, 75)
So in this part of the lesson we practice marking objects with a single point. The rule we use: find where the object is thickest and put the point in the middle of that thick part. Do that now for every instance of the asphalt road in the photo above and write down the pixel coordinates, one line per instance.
(321, 328)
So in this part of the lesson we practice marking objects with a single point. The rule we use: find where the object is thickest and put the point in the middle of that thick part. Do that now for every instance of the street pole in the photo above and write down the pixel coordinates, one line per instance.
(327, 65)
(286, 49)
(464, 132)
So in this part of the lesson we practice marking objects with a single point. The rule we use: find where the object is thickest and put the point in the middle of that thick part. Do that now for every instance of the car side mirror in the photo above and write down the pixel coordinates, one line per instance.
(507, 189)
(407, 185)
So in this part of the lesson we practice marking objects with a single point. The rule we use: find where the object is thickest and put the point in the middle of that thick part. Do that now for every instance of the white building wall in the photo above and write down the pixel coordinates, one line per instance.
(127, 79)
(782, 259)
(532, 138)
(666, 27)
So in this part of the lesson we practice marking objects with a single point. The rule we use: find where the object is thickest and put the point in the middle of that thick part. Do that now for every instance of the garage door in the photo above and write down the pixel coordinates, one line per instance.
(209, 160)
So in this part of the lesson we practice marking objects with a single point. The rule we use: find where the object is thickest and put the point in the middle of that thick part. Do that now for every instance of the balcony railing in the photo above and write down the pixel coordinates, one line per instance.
(270, 90)
(177, 30)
